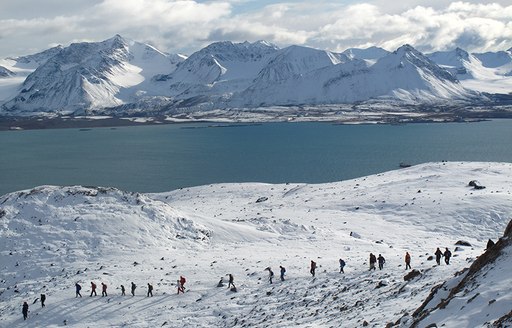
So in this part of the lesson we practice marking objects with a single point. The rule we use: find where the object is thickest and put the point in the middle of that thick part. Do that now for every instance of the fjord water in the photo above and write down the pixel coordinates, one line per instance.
(165, 157)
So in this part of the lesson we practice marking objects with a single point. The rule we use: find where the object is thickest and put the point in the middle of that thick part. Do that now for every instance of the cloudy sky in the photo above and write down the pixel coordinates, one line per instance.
(184, 26)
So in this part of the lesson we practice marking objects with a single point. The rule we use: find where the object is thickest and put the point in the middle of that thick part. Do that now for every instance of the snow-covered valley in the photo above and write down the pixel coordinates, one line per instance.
(53, 237)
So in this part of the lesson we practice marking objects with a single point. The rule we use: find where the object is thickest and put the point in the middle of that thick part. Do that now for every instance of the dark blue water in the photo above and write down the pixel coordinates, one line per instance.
(167, 157)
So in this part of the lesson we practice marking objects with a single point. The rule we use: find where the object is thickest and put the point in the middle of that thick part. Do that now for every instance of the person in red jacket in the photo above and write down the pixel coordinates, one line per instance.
(93, 289)
(407, 261)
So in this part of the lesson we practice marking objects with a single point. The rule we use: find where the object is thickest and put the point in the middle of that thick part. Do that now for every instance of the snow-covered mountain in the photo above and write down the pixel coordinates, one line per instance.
(405, 74)
(4, 72)
(370, 55)
(124, 77)
(486, 72)
(35, 60)
(89, 75)
(221, 67)
(54, 237)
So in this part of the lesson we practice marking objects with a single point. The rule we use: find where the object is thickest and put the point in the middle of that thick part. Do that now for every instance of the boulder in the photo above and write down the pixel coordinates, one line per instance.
(411, 275)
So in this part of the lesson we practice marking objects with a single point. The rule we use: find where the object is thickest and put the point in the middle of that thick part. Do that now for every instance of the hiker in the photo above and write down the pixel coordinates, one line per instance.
(270, 274)
(77, 290)
(438, 254)
(25, 310)
(180, 287)
(283, 270)
(43, 299)
(447, 255)
(342, 265)
(373, 259)
(103, 290)
(122, 291)
(150, 290)
(313, 268)
(221, 282)
(133, 288)
(381, 261)
(93, 289)
(231, 279)
(407, 261)
(182, 282)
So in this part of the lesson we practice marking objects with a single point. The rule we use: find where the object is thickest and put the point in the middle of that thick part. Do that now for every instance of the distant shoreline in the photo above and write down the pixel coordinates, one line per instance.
(86, 122)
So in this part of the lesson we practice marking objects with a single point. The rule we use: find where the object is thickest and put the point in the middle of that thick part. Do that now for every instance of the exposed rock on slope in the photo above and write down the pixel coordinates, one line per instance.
(479, 298)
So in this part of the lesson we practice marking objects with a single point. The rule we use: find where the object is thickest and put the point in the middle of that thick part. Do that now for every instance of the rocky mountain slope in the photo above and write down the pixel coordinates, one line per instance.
(478, 296)
(53, 237)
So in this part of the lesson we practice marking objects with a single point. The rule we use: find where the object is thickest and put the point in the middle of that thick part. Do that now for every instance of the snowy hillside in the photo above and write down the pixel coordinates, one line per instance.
(87, 75)
(53, 237)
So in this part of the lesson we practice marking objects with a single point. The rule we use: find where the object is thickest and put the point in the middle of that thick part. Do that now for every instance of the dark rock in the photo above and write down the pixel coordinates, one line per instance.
(411, 275)
(381, 284)
(463, 243)
(430, 258)
(490, 244)
(269, 293)
(261, 199)
(432, 325)
(365, 323)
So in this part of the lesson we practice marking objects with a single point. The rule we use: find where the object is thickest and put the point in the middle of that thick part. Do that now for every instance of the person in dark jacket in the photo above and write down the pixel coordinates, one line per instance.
(312, 268)
(25, 310)
(93, 289)
(270, 274)
(77, 290)
(283, 270)
(407, 261)
(373, 260)
(438, 254)
(150, 290)
(231, 281)
(447, 255)
(133, 288)
(381, 261)
(103, 289)
(43, 299)
(123, 291)
(342, 265)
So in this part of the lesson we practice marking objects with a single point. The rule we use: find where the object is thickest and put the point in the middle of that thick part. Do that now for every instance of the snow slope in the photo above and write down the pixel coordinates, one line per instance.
(52, 237)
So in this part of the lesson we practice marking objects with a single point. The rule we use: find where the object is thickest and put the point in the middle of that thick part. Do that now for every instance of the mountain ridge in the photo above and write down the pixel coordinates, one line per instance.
(118, 73)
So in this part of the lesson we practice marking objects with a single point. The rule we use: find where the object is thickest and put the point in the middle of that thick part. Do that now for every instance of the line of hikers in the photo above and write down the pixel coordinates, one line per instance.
(181, 281)
(381, 260)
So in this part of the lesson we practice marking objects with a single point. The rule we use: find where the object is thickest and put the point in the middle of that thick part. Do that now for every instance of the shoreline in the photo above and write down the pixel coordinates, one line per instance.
(337, 118)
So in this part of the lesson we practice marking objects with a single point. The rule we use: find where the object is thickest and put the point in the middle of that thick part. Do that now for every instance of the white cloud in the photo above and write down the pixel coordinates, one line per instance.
(187, 25)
